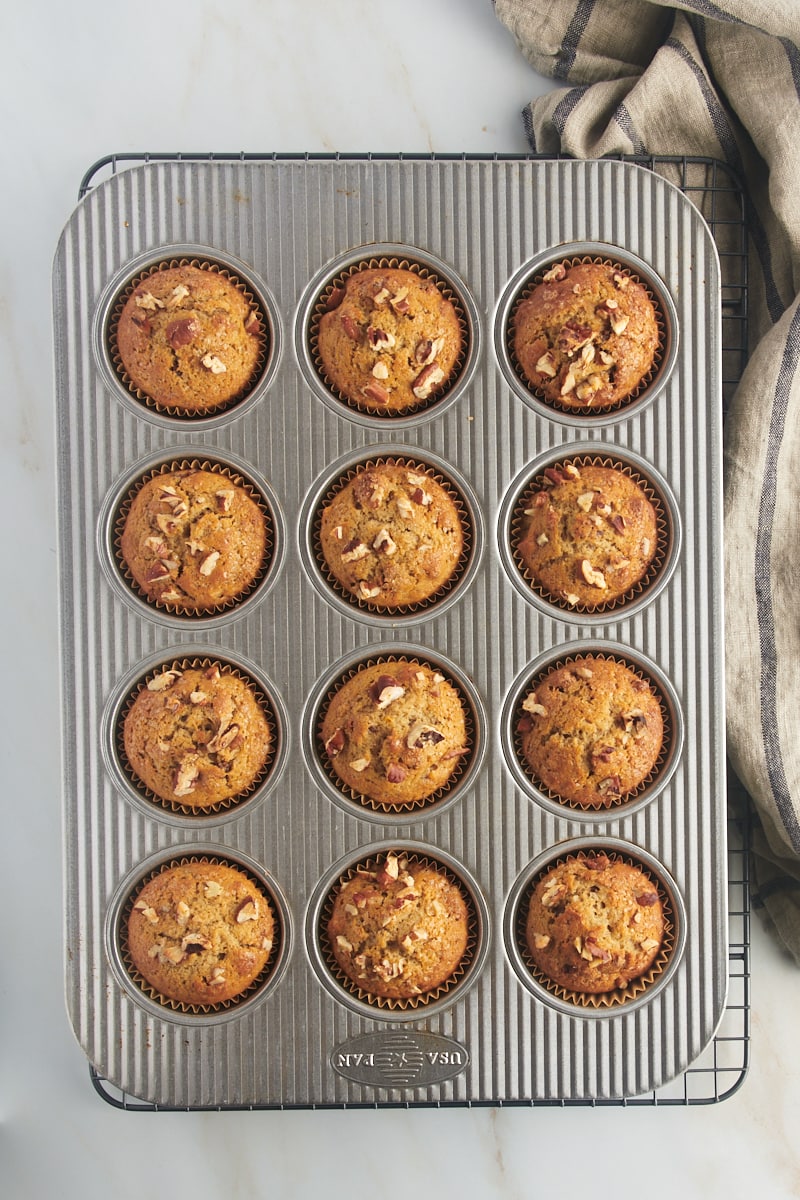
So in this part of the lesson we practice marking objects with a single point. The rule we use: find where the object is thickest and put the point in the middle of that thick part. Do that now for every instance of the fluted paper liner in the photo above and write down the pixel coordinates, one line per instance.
(176, 806)
(203, 264)
(326, 301)
(415, 862)
(177, 1005)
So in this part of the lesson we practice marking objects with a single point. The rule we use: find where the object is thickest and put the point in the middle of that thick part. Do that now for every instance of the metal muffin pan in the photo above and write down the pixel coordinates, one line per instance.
(289, 226)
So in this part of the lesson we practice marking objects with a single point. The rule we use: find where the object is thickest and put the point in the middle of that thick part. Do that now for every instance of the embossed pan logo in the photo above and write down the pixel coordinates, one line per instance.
(402, 1059)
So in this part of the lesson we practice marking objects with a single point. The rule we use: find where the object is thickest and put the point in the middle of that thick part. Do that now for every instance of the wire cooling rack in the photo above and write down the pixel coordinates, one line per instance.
(718, 194)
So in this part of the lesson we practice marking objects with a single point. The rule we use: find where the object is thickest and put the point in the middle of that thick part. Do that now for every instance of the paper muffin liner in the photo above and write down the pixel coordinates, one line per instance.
(374, 606)
(329, 298)
(599, 1001)
(612, 802)
(415, 861)
(409, 806)
(176, 1005)
(178, 806)
(587, 410)
(540, 482)
(203, 264)
(228, 474)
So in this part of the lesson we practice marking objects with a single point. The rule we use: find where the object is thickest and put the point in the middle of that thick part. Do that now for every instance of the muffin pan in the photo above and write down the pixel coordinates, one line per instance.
(483, 229)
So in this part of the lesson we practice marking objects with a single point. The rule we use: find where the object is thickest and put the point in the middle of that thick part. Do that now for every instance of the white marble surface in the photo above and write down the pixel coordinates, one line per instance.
(84, 80)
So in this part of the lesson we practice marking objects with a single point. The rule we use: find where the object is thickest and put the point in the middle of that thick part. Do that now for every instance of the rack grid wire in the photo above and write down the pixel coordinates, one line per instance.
(718, 194)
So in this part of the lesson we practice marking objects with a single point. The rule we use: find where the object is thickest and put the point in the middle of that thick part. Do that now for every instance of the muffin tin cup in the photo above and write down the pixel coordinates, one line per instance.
(318, 299)
(668, 532)
(639, 992)
(205, 258)
(172, 812)
(114, 511)
(147, 997)
(349, 993)
(650, 787)
(372, 612)
(363, 806)
(531, 274)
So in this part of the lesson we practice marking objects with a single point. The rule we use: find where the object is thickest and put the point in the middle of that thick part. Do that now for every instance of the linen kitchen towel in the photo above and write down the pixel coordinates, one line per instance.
(719, 80)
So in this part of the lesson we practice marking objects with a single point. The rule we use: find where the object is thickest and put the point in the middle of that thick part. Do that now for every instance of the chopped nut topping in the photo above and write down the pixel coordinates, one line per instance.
(209, 563)
(354, 550)
(368, 593)
(540, 940)
(224, 499)
(380, 370)
(546, 365)
(198, 697)
(148, 301)
(147, 912)
(421, 734)
(379, 339)
(427, 380)
(619, 324)
(186, 775)
(542, 539)
(592, 576)
(335, 743)
(212, 888)
(569, 383)
(247, 911)
(359, 764)
(559, 271)
(389, 694)
(585, 501)
(217, 977)
(213, 364)
(159, 683)
(385, 542)
(374, 391)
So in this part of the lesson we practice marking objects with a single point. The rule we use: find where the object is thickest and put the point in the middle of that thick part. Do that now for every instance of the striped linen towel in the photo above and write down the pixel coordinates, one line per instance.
(719, 80)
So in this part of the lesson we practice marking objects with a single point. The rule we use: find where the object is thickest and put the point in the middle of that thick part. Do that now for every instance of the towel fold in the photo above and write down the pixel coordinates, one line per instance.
(719, 80)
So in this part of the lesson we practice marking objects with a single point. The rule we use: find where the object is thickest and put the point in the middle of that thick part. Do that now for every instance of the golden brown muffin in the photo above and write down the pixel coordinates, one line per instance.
(194, 539)
(591, 732)
(200, 933)
(189, 339)
(587, 336)
(399, 931)
(197, 736)
(589, 535)
(395, 732)
(392, 340)
(392, 536)
(594, 924)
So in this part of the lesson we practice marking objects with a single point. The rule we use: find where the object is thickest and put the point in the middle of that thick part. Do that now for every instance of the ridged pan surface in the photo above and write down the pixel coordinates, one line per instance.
(484, 226)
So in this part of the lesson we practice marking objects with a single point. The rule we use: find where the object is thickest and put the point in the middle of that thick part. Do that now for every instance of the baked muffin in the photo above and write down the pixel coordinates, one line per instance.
(200, 933)
(399, 931)
(392, 536)
(194, 539)
(591, 732)
(197, 737)
(390, 340)
(395, 732)
(594, 924)
(588, 536)
(190, 339)
(586, 336)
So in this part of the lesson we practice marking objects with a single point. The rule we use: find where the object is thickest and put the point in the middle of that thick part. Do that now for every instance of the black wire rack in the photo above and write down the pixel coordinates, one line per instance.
(718, 194)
